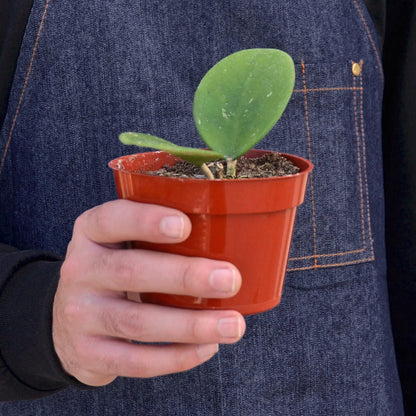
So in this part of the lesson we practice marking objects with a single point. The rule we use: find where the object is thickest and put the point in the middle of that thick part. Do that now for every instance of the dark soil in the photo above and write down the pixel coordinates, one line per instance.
(265, 166)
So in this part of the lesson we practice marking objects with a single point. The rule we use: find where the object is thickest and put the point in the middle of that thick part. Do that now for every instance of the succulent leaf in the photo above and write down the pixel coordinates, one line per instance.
(190, 154)
(241, 98)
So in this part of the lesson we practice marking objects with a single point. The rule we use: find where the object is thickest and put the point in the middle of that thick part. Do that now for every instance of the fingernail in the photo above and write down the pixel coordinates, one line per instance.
(223, 280)
(172, 226)
(230, 327)
(207, 350)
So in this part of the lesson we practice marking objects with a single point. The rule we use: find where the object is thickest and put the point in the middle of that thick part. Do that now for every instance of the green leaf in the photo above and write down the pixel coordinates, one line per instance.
(241, 98)
(196, 156)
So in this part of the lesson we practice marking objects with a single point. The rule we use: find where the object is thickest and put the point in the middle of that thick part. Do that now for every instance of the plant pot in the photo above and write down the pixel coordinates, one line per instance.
(248, 222)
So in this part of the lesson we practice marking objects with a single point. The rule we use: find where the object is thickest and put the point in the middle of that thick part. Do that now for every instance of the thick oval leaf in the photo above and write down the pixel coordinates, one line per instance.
(241, 98)
(196, 156)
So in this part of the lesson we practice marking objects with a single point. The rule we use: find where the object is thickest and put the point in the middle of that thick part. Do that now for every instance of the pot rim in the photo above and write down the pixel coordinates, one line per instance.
(306, 167)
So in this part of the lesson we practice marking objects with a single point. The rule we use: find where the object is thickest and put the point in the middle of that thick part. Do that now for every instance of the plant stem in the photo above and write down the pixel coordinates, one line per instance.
(231, 167)
(207, 171)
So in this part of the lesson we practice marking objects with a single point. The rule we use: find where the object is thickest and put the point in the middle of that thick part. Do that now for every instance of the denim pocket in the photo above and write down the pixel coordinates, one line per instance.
(325, 122)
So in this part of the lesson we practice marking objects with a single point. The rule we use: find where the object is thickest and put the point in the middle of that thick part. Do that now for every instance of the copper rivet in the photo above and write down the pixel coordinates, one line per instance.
(356, 69)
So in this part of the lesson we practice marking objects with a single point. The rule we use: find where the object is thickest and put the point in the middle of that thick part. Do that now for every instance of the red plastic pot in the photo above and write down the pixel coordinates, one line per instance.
(248, 222)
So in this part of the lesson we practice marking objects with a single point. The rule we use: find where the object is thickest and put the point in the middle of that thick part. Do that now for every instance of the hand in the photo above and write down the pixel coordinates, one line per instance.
(94, 322)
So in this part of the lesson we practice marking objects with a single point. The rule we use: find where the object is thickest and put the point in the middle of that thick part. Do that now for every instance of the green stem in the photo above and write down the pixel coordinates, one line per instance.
(231, 167)
(207, 171)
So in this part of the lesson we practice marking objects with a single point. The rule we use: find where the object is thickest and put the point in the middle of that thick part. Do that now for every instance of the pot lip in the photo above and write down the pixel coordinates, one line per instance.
(116, 166)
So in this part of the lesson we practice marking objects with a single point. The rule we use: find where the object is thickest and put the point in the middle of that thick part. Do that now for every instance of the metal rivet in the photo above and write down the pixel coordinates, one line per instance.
(356, 69)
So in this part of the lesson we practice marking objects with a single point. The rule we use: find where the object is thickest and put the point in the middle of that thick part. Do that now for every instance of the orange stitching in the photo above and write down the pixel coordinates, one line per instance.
(367, 29)
(325, 266)
(328, 89)
(9, 139)
(308, 134)
(344, 253)
(365, 164)
(357, 133)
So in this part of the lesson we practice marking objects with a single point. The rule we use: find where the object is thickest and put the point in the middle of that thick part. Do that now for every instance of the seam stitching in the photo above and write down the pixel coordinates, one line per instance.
(359, 156)
(370, 36)
(28, 72)
(370, 236)
(343, 253)
(326, 266)
(308, 136)
(328, 89)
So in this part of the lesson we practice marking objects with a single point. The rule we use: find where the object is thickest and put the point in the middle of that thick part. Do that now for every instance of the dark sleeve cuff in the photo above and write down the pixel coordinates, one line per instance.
(30, 367)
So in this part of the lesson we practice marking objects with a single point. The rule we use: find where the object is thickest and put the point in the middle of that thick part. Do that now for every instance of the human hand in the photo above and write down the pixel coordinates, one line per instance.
(94, 322)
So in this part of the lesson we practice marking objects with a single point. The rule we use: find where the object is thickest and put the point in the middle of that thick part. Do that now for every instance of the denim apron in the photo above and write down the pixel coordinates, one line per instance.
(90, 70)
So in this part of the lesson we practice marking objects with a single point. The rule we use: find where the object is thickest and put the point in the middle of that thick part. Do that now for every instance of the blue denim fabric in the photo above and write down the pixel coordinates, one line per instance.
(90, 70)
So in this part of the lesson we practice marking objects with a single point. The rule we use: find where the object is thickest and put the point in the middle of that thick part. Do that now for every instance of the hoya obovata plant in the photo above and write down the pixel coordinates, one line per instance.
(236, 104)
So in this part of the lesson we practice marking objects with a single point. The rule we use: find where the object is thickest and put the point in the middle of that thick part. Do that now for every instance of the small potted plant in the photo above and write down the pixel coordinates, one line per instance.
(247, 221)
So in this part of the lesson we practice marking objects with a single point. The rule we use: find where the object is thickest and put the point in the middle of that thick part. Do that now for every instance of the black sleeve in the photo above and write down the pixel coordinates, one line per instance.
(13, 18)
(399, 129)
(29, 366)
(377, 9)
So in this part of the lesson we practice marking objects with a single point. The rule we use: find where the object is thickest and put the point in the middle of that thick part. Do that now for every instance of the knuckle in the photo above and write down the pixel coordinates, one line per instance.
(139, 367)
(135, 326)
(115, 325)
(102, 219)
(126, 324)
(82, 353)
(183, 360)
(85, 356)
(92, 220)
(111, 324)
(194, 329)
(191, 276)
(107, 262)
(120, 266)
(79, 223)
(70, 363)
(70, 269)
(186, 277)
(73, 312)
(126, 275)
(111, 364)
(76, 354)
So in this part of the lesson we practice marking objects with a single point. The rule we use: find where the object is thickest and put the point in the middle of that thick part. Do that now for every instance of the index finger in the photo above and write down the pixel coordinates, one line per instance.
(123, 220)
